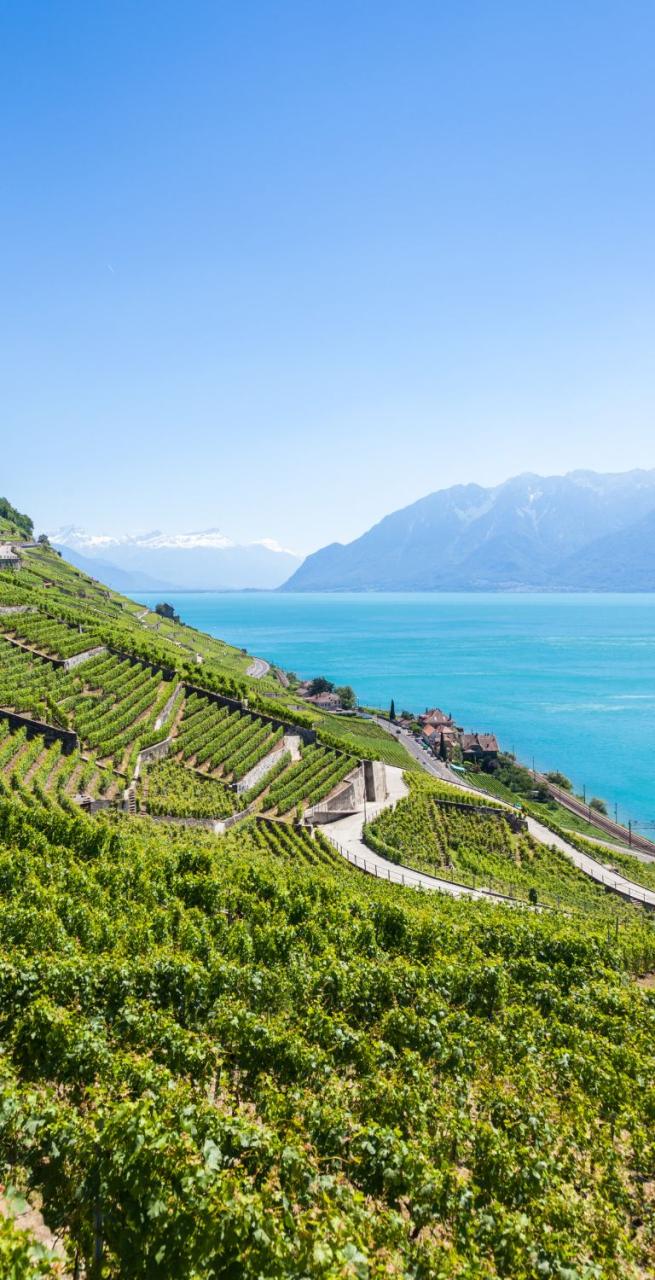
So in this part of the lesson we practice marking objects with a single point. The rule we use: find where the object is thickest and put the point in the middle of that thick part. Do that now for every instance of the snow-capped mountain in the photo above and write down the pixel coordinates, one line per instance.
(203, 560)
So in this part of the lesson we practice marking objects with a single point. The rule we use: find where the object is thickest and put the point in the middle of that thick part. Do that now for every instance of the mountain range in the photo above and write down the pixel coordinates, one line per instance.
(581, 531)
(203, 561)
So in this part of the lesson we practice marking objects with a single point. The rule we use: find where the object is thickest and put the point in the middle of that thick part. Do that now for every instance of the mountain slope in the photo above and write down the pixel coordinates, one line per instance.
(118, 579)
(523, 534)
(205, 561)
(622, 561)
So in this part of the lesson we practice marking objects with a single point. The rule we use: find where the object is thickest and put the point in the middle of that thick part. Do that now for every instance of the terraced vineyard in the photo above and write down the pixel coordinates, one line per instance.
(292, 842)
(477, 849)
(237, 1056)
(232, 1027)
(309, 780)
(49, 636)
(173, 790)
(28, 763)
(224, 741)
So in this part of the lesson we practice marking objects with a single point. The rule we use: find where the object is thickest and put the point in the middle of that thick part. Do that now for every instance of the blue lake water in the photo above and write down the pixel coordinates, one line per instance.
(566, 679)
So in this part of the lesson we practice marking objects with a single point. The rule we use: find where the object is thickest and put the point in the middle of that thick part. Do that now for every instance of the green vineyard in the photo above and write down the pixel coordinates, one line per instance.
(235, 1055)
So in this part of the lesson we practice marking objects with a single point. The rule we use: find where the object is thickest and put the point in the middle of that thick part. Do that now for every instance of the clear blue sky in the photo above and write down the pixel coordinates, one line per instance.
(284, 267)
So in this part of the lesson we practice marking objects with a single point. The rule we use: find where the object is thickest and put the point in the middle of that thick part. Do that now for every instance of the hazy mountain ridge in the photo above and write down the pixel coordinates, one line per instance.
(530, 533)
(206, 560)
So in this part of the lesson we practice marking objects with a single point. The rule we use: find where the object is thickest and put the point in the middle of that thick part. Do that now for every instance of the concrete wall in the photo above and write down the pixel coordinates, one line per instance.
(49, 732)
(348, 798)
(17, 608)
(78, 658)
(375, 780)
(260, 770)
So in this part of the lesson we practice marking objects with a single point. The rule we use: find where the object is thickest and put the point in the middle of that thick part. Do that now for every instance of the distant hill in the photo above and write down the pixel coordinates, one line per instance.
(581, 531)
(203, 561)
(125, 580)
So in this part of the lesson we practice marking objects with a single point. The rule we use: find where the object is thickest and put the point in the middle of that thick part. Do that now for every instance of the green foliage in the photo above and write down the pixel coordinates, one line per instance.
(320, 685)
(179, 792)
(560, 780)
(346, 696)
(241, 1057)
(21, 522)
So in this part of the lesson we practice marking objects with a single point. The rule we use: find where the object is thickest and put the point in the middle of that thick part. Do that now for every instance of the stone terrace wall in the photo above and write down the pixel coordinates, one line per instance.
(515, 821)
(78, 658)
(49, 732)
(308, 735)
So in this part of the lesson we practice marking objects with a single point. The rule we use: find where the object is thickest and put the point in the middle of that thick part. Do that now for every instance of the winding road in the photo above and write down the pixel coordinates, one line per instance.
(258, 667)
(347, 837)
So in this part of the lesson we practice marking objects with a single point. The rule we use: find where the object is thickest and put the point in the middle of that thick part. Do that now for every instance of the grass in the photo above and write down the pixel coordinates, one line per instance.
(354, 733)
(553, 810)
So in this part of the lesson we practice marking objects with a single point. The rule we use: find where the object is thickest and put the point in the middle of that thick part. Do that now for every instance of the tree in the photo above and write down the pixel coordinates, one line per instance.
(16, 518)
(346, 696)
(43, 540)
(560, 780)
(320, 685)
(598, 805)
(392, 711)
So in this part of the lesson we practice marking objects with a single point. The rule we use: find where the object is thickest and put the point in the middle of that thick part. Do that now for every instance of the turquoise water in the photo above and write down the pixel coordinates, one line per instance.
(568, 679)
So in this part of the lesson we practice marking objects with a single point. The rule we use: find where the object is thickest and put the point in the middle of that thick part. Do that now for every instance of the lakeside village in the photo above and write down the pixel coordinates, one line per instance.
(436, 730)
(465, 752)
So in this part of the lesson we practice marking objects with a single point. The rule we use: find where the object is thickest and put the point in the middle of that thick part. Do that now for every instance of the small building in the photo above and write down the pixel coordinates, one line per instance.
(326, 701)
(435, 716)
(9, 559)
(479, 748)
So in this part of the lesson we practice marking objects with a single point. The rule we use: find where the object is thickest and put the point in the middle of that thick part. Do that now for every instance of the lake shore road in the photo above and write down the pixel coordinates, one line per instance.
(603, 875)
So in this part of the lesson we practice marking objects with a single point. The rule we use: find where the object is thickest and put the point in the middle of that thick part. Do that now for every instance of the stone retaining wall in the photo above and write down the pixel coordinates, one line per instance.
(158, 751)
(515, 821)
(260, 770)
(78, 658)
(163, 717)
(49, 732)
(308, 735)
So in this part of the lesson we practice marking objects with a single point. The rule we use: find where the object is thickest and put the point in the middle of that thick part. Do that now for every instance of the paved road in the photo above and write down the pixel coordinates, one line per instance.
(258, 668)
(428, 762)
(596, 870)
(602, 875)
(346, 836)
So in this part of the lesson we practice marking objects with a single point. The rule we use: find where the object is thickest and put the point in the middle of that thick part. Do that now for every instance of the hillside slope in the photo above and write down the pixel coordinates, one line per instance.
(235, 1055)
